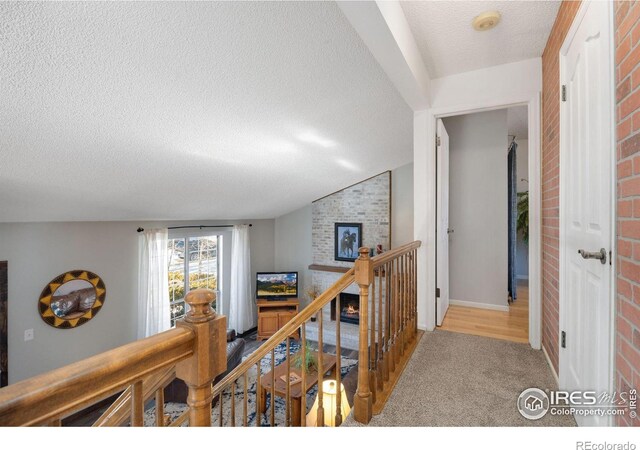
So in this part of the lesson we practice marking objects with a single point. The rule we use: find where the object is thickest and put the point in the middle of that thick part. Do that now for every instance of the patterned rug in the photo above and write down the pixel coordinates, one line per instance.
(176, 409)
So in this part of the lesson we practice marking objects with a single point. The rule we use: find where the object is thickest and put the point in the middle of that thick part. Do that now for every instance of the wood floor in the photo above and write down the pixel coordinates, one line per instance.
(510, 326)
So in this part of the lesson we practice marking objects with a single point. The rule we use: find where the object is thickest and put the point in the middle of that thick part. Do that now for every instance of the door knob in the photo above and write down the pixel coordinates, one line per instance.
(601, 255)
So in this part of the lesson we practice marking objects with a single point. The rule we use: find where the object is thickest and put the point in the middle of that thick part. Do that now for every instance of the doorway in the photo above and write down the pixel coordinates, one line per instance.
(587, 152)
(482, 247)
(4, 319)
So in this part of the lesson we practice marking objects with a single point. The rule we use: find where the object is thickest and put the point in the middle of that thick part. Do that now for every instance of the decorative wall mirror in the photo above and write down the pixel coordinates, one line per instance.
(72, 299)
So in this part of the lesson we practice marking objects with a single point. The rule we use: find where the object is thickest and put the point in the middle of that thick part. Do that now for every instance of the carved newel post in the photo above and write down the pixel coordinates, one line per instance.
(362, 401)
(209, 354)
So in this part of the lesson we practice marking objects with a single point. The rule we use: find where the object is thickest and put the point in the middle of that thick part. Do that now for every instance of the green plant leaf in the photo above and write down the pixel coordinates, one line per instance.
(523, 215)
(310, 361)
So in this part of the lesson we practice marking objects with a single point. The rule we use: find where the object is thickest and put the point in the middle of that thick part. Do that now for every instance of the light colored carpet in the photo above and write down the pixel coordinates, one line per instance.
(457, 379)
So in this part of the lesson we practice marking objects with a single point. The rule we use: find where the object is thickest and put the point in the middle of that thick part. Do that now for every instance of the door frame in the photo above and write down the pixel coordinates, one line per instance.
(439, 154)
(562, 266)
(426, 120)
(4, 325)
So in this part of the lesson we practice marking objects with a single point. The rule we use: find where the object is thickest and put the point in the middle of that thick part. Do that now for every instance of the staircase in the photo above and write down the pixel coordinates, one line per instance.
(195, 352)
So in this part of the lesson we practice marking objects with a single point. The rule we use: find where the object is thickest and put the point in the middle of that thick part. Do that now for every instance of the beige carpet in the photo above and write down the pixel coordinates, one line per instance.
(462, 380)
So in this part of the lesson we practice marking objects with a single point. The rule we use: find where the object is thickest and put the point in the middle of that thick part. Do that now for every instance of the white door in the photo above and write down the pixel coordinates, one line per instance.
(586, 155)
(442, 229)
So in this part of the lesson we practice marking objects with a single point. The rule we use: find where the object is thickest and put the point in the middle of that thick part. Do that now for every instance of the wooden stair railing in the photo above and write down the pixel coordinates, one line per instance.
(387, 284)
(153, 386)
(195, 350)
(233, 378)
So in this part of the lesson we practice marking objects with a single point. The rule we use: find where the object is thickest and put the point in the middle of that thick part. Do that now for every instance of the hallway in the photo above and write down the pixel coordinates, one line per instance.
(510, 326)
(455, 379)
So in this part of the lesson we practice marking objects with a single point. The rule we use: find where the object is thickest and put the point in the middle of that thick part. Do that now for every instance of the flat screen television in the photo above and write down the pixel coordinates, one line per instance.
(276, 285)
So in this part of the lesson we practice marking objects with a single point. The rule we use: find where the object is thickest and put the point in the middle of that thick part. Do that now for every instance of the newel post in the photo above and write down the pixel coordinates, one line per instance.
(362, 401)
(209, 354)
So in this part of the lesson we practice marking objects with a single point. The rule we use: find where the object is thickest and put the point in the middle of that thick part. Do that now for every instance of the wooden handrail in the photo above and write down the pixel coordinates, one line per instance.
(70, 388)
(288, 329)
(394, 332)
(387, 256)
(118, 412)
(195, 349)
(194, 352)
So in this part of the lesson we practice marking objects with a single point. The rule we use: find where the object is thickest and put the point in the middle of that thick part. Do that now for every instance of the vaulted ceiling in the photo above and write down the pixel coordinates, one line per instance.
(212, 110)
(187, 110)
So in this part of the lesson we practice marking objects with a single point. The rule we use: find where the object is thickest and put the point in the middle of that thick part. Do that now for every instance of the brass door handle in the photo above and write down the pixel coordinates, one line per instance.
(601, 255)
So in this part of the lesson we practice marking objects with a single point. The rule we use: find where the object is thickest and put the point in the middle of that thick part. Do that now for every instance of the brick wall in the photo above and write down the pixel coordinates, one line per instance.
(550, 178)
(627, 59)
(368, 203)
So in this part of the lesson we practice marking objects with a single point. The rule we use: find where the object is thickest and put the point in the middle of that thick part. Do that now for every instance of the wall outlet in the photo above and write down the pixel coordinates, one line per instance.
(28, 335)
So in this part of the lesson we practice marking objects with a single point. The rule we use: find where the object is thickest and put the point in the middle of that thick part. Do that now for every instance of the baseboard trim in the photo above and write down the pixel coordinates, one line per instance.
(553, 371)
(479, 305)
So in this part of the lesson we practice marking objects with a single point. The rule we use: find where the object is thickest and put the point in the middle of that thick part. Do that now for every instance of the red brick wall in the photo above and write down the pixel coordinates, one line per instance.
(550, 177)
(627, 59)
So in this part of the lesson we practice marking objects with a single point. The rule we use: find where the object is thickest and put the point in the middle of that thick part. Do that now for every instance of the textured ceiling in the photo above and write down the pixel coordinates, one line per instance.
(120, 111)
(449, 44)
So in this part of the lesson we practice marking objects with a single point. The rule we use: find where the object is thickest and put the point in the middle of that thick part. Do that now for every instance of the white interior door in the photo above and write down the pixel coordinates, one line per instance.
(586, 205)
(442, 229)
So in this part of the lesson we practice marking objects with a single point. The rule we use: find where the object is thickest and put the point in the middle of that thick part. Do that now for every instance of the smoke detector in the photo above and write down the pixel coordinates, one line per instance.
(486, 21)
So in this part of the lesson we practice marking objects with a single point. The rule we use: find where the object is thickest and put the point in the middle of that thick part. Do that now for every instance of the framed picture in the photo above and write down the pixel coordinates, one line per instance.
(348, 239)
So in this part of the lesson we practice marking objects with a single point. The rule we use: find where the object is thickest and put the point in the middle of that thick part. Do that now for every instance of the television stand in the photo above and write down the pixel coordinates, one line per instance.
(274, 314)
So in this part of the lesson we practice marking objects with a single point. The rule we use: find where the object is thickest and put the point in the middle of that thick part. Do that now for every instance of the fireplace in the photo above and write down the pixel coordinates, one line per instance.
(350, 308)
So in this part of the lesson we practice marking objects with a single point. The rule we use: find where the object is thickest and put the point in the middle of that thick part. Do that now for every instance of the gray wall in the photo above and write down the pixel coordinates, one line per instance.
(522, 162)
(38, 252)
(293, 247)
(402, 205)
(478, 207)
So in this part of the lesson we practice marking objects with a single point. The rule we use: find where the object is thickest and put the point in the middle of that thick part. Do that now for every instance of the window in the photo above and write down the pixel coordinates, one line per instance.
(193, 264)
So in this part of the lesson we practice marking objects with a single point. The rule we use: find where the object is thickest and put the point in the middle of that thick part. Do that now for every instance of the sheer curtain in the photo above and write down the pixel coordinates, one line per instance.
(153, 284)
(242, 307)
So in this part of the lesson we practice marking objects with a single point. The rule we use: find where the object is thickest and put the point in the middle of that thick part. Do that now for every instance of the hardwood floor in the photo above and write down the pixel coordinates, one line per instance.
(510, 326)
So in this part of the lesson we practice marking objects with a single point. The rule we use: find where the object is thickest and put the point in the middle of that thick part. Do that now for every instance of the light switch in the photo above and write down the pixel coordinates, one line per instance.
(28, 335)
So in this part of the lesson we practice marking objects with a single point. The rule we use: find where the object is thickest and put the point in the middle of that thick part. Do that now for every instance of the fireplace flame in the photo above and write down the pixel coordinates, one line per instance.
(350, 310)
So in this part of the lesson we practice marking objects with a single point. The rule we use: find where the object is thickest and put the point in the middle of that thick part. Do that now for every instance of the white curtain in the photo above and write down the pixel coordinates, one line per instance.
(242, 308)
(153, 285)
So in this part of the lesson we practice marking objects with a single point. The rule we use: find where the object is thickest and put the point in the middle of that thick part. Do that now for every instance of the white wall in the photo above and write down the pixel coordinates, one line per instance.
(522, 164)
(493, 87)
(38, 252)
(478, 248)
(497, 85)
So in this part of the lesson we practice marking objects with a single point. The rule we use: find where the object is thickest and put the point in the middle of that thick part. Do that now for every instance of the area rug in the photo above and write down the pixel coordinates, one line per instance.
(176, 409)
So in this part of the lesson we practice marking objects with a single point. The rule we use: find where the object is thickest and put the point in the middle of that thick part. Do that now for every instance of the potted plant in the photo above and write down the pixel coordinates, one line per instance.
(312, 292)
(307, 362)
